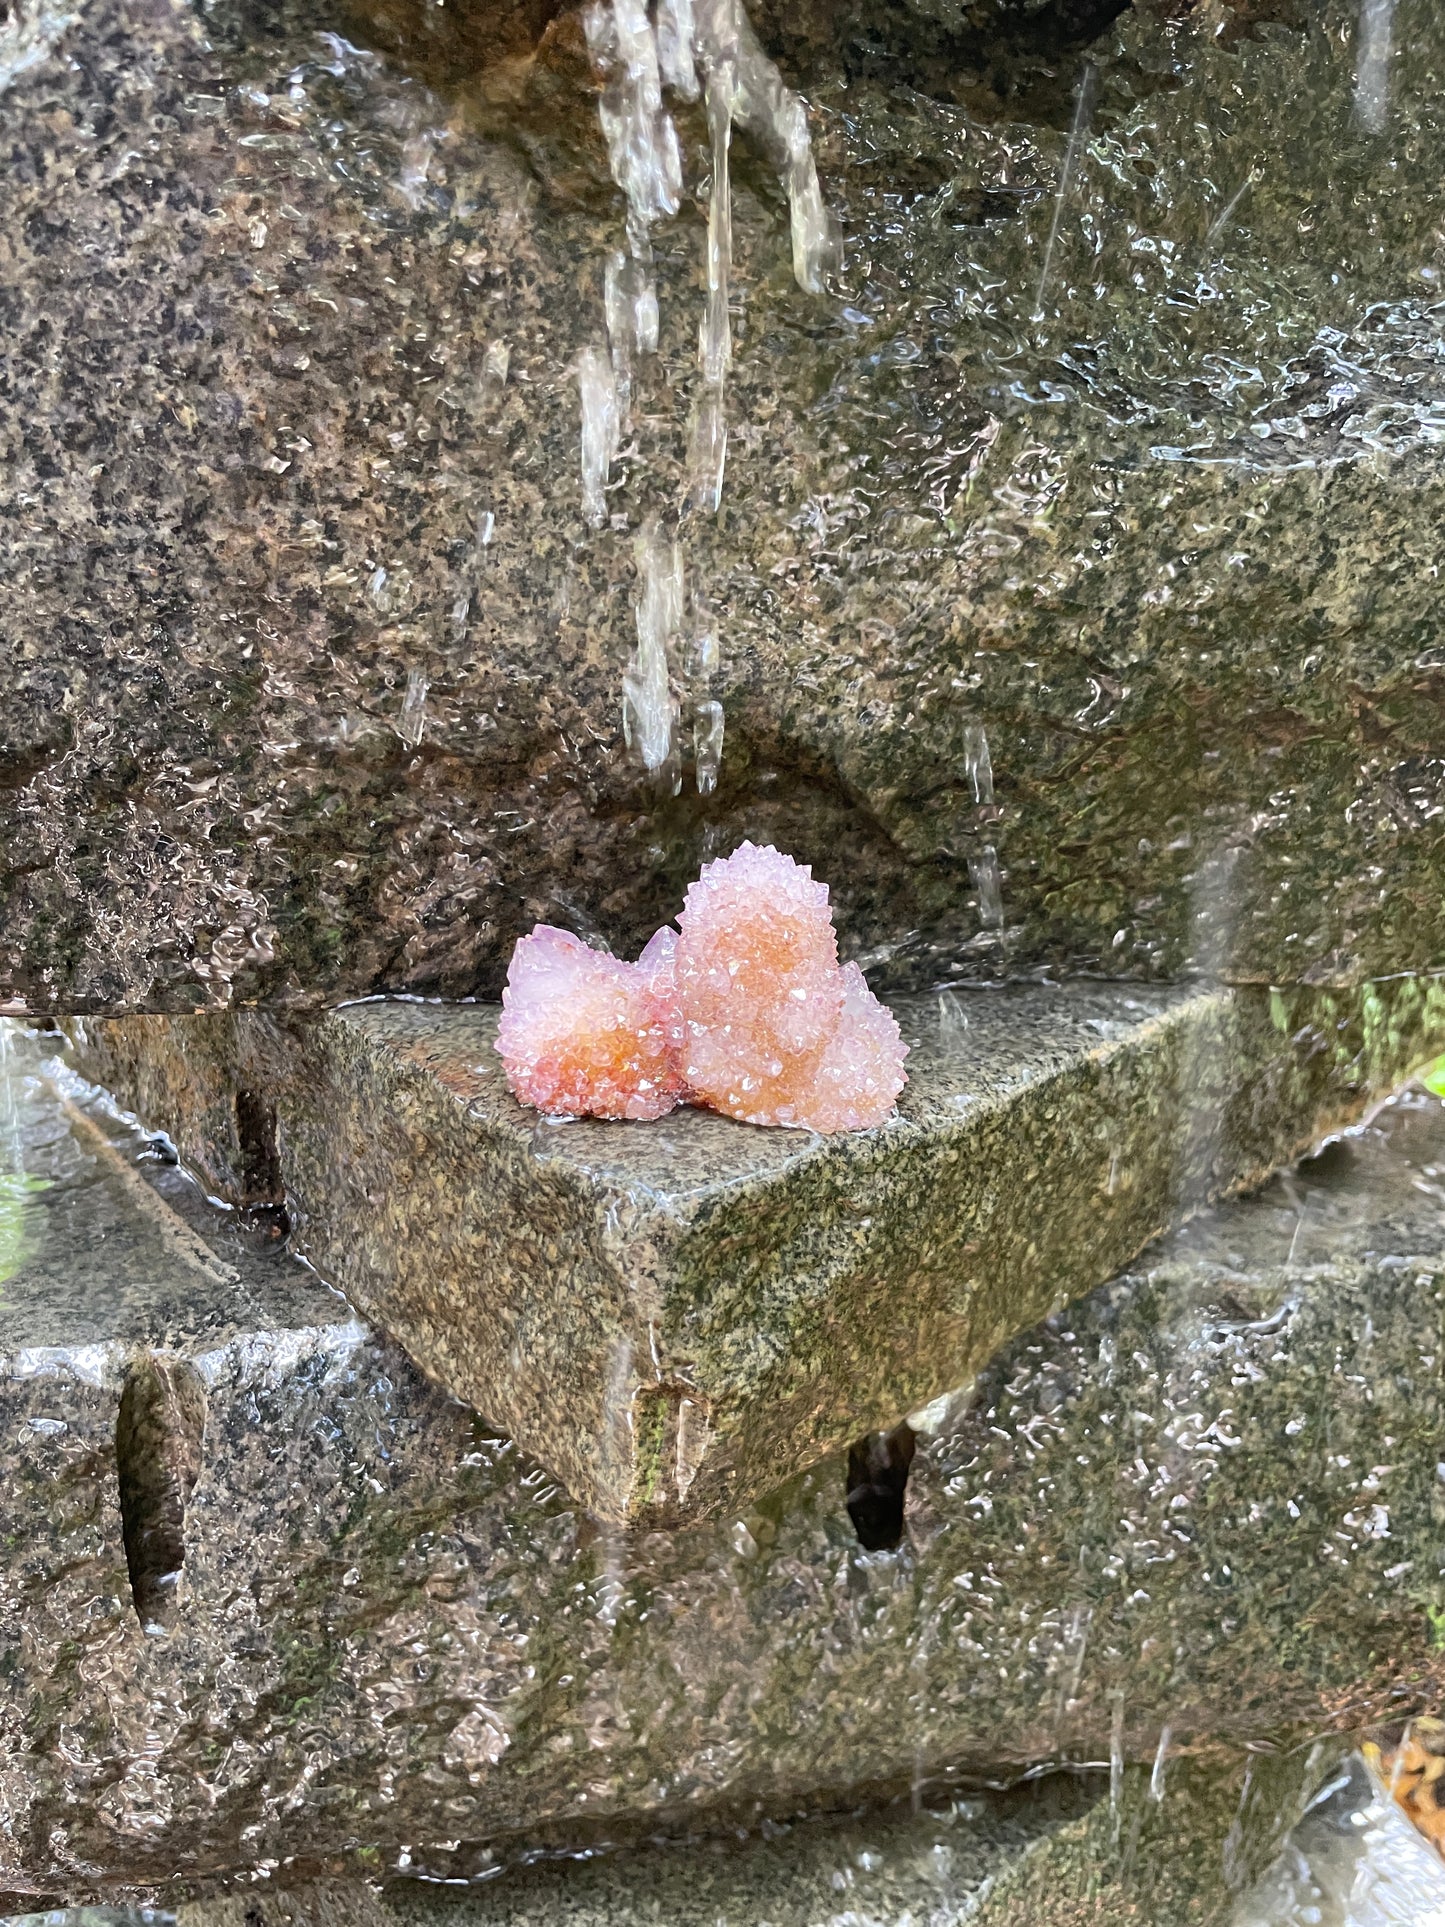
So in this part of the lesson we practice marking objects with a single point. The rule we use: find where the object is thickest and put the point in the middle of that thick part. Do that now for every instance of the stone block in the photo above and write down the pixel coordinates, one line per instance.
(891, 1867)
(675, 1317)
(1073, 581)
(1203, 1499)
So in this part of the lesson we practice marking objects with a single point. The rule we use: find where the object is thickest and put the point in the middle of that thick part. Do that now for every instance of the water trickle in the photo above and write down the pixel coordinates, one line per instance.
(621, 332)
(641, 140)
(707, 456)
(708, 450)
(707, 744)
(715, 339)
(1161, 1761)
(758, 100)
(411, 723)
(1372, 64)
(978, 764)
(1078, 132)
(601, 429)
(987, 879)
(649, 708)
(675, 31)
(1116, 1761)
(1226, 214)
(618, 1429)
(636, 57)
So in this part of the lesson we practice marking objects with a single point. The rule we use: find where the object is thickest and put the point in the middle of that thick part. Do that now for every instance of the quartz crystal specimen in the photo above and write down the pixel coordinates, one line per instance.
(583, 1033)
(746, 1011)
(759, 985)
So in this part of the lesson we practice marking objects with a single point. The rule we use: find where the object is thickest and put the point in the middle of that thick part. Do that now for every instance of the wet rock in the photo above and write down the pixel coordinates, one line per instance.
(674, 1317)
(1205, 1499)
(312, 667)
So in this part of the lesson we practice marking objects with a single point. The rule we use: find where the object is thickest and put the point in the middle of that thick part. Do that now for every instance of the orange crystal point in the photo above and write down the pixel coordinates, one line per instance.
(585, 1034)
(759, 984)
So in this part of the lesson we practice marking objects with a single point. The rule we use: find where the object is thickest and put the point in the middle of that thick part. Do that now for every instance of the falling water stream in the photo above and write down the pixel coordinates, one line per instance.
(709, 48)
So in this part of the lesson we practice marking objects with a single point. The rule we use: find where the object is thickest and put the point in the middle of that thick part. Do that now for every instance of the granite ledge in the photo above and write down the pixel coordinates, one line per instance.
(675, 1317)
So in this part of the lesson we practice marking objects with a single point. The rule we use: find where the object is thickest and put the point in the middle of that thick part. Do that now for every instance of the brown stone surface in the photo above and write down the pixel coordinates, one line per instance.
(1206, 1494)
(290, 427)
(673, 1317)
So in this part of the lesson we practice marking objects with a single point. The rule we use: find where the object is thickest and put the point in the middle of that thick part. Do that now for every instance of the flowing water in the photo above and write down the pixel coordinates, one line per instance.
(1121, 1631)
(636, 57)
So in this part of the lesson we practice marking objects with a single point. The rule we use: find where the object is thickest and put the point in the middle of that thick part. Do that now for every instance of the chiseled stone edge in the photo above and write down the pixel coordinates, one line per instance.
(669, 1356)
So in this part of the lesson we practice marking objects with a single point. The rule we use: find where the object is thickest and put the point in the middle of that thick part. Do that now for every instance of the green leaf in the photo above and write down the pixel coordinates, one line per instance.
(1433, 1077)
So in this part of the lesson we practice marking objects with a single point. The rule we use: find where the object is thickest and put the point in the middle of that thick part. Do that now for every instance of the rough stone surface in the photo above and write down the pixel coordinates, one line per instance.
(1267, 1842)
(311, 669)
(676, 1316)
(1206, 1497)
(1272, 1842)
(879, 1864)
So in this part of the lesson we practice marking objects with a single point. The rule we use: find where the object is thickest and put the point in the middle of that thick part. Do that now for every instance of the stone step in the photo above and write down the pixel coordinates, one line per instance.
(1257, 1843)
(1199, 1508)
(676, 1317)
(886, 1867)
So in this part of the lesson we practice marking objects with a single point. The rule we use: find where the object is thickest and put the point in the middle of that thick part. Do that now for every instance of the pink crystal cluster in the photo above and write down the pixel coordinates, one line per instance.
(743, 1008)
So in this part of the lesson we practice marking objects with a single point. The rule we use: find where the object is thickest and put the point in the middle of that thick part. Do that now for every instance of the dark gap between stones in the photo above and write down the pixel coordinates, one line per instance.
(878, 1468)
(158, 1434)
(263, 1195)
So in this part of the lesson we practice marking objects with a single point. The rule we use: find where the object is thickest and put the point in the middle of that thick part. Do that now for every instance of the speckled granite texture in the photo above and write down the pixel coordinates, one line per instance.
(289, 428)
(676, 1316)
(889, 1868)
(1208, 1492)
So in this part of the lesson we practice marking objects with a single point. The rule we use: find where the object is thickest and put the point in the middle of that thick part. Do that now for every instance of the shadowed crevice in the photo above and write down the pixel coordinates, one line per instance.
(158, 1436)
(878, 1468)
(263, 1190)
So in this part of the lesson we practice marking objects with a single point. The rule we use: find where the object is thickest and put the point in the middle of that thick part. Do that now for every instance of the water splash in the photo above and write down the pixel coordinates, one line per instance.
(1373, 49)
(1354, 1860)
(28, 31)
(415, 166)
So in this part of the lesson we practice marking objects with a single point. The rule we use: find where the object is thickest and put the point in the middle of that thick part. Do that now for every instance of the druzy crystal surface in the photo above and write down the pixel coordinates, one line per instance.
(759, 985)
(744, 1008)
(584, 1034)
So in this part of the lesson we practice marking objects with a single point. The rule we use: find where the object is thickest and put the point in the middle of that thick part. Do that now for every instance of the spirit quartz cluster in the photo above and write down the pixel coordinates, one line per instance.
(743, 1008)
